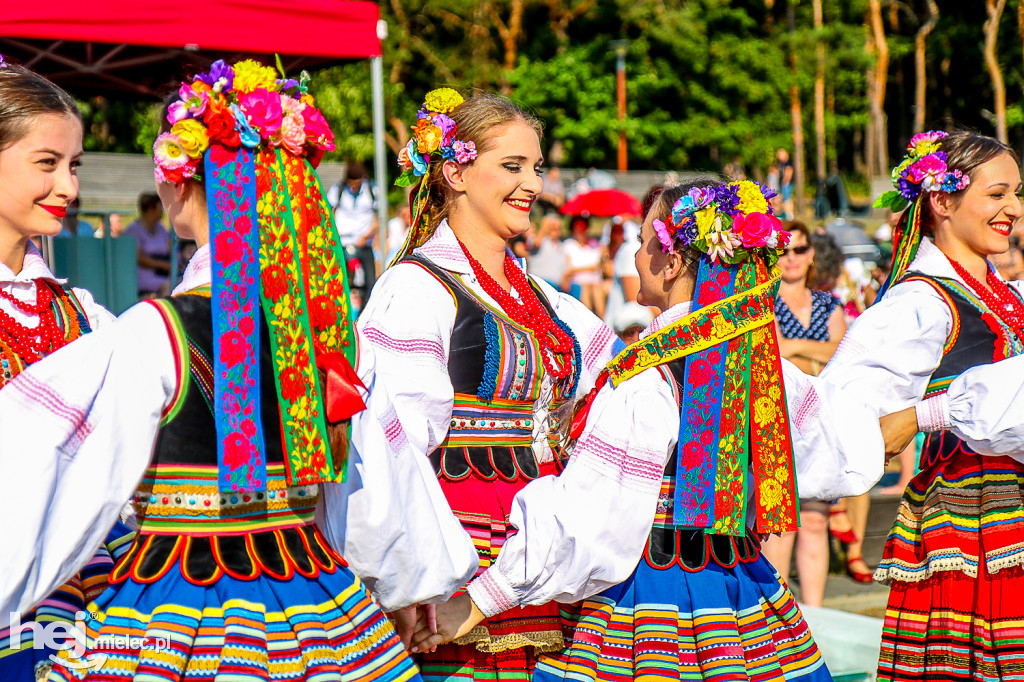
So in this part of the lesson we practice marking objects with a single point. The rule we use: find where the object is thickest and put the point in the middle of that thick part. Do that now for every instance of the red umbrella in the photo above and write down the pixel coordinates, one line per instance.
(602, 203)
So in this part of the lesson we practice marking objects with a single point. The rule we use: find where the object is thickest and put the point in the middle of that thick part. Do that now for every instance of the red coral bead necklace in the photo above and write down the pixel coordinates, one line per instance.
(556, 345)
(32, 343)
(1006, 305)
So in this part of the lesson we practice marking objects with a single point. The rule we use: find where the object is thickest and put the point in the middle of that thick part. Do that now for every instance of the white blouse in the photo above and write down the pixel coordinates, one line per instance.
(23, 287)
(891, 351)
(77, 431)
(585, 530)
(408, 321)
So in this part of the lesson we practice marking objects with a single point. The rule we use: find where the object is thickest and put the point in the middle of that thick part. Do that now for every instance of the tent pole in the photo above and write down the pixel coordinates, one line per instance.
(380, 169)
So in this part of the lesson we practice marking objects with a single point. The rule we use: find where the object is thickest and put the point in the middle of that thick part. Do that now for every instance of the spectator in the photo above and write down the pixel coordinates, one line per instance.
(72, 226)
(785, 169)
(153, 247)
(620, 271)
(547, 257)
(582, 277)
(355, 214)
(630, 320)
(398, 230)
(811, 323)
(552, 194)
(734, 170)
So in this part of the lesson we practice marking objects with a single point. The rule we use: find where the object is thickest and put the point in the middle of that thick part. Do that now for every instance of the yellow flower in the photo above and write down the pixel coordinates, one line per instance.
(251, 75)
(705, 221)
(441, 100)
(771, 493)
(192, 134)
(751, 198)
(925, 147)
(764, 411)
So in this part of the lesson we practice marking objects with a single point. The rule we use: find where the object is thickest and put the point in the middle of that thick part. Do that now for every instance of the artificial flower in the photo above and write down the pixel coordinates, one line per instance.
(925, 143)
(263, 110)
(246, 134)
(318, 132)
(428, 136)
(169, 153)
(221, 76)
(442, 100)
(419, 163)
(664, 237)
(464, 151)
(755, 229)
(250, 75)
(292, 134)
(928, 171)
(192, 134)
(403, 159)
(447, 126)
(221, 126)
(706, 219)
(721, 245)
(751, 198)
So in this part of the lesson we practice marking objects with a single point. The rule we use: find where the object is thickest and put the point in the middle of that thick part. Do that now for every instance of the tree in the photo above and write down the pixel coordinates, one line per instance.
(877, 140)
(994, 10)
(796, 114)
(819, 92)
(920, 75)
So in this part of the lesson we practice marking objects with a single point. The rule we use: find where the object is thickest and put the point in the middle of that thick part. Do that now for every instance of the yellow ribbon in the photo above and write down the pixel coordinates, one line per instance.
(711, 325)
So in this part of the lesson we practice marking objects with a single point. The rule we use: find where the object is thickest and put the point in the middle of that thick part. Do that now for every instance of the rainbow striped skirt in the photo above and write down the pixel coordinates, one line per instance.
(715, 623)
(272, 605)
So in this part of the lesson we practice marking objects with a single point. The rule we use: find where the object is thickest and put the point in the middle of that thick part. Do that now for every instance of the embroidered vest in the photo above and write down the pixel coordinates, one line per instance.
(496, 370)
(184, 520)
(690, 548)
(962, 508)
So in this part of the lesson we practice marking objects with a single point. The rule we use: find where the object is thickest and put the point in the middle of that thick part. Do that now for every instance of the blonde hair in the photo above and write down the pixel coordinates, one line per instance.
(477, 120)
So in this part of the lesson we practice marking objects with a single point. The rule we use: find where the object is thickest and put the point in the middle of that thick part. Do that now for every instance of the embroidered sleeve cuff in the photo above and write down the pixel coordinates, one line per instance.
(933, 414)
(491, 593)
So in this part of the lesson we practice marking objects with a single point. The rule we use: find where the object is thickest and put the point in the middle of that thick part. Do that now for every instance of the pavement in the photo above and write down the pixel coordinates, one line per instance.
(843, 592)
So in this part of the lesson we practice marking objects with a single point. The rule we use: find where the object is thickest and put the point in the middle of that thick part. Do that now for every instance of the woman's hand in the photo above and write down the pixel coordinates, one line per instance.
(404, 620)
(898, 429)
(454, 619)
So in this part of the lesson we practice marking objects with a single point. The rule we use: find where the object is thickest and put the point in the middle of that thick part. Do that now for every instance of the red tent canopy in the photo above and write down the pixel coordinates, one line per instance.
(141, 45)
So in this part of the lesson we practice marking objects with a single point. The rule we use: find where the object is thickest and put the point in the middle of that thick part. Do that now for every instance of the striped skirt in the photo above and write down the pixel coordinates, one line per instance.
(716, 623)
(161, 623)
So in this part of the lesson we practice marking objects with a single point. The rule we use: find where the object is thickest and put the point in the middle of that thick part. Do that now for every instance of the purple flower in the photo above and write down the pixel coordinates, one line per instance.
(727, 199)
(287, 83)
(445, 123)
(220, 73)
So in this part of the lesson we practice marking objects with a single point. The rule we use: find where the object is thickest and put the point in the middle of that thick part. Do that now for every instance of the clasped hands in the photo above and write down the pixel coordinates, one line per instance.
(422, 627)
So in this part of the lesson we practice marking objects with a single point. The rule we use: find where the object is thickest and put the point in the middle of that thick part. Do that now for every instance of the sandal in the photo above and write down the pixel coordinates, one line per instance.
(847, 537)
(859, 576)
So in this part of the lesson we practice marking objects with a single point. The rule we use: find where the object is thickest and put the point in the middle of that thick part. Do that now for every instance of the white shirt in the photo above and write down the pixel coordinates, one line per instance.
(353, 213)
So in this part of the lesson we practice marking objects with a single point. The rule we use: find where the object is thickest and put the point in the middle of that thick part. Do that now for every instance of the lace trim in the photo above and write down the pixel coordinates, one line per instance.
(542, 642)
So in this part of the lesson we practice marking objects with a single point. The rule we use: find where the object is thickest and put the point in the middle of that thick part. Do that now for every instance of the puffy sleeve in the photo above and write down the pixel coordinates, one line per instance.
(389, 518)
(76, 433)
(584, 530)
(598, 343)
(984, 406)
(97, 315)
(837, 444)
(888, 355)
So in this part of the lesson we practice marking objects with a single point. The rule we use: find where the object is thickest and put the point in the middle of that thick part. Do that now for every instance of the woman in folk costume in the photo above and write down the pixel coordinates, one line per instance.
(224, 408)
(939, 353)
(482, 361)
(684, 456)
(40, 152)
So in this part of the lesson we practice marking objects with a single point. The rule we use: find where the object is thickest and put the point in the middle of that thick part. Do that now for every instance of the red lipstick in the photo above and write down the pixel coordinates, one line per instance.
(58, 211)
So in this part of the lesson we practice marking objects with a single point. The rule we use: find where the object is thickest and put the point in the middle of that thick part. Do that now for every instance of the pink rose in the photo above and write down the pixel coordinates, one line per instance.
(755, 229)
(293, 133)
(318, 133)
(233, 348)
(928, 172)
(691, 456)
(227, 247)
(700, 372)
(263, 110)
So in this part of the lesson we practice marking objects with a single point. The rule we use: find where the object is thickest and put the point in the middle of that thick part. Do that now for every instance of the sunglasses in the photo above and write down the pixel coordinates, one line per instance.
(798, 250)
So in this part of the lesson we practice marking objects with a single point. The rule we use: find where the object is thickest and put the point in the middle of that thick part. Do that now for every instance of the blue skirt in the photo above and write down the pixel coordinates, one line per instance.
(715, 623)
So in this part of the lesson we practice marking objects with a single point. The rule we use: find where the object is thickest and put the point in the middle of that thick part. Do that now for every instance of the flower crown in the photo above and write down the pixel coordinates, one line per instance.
(244, 104)
(434, 132)
(923, 169)
(730, 222)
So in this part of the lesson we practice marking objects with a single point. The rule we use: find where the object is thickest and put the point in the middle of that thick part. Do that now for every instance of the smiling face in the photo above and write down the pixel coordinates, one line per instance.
(39, 177)
(497, 190)
(983, 218)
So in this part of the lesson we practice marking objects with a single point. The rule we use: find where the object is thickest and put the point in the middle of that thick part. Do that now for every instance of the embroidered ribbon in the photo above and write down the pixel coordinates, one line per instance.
(234, 245)
(285, 306)
(701, 329)
(703, 386)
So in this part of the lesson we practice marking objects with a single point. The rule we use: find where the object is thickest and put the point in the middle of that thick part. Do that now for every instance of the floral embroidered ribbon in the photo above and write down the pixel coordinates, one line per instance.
(300, 280)
(234, 246)
(734, 422)
(737, 315)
